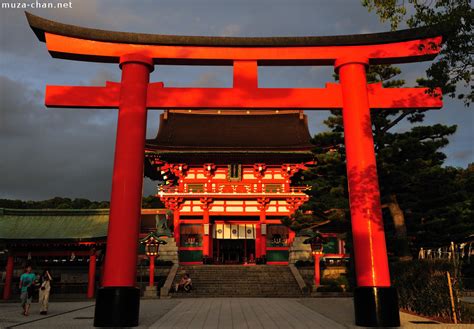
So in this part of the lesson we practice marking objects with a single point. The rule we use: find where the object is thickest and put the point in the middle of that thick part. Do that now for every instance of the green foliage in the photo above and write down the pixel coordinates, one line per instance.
(467, 312)
(150, 201)
(54, 203)
(440, 206)
(436, 202)
(332, 285)
(328, 193)
(304, 263)
(423, 287)
(455, 18)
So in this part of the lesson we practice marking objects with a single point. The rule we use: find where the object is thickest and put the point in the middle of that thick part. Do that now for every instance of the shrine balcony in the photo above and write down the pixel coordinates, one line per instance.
(223, 190)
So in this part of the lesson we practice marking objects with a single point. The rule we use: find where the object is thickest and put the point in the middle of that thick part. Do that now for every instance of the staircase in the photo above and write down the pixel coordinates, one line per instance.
(238, 281)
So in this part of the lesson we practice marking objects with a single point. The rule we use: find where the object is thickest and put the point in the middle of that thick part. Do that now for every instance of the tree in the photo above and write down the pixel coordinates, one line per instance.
(152, 201)
(402, 157)
(328, 203)
(54, 203)
(440, 207)
(454, 18)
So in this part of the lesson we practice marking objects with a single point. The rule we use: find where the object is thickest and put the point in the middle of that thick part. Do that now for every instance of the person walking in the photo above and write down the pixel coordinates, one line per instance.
(27, 282)
(44, 291)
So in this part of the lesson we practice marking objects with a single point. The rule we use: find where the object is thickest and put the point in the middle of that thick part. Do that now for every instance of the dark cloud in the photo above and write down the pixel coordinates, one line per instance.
(69, 152)
(54, 152)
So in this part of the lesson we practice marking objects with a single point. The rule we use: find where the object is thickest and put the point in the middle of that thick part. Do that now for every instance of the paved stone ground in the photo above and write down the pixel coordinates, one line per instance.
(236, 313)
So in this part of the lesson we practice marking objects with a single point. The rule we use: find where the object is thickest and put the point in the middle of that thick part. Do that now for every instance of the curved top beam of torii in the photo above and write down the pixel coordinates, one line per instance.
(80, 43)
(245, 55)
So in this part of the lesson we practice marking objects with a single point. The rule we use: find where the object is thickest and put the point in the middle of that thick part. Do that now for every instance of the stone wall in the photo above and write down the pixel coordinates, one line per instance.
(168, 251)
(299, 251)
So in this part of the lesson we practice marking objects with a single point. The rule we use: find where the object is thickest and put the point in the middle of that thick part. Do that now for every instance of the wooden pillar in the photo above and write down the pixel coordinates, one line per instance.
(291, 236)
(152, 271)
(375, 301)
(91, 276)
(7, 288)
(263, 243)
(118, 301)
(206, 237)
(258, 240)
(317, 269)
(176, 231)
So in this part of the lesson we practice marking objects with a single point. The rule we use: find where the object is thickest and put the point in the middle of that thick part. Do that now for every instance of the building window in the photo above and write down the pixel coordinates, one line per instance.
(191, 235)
(234, 172)
(277, 236)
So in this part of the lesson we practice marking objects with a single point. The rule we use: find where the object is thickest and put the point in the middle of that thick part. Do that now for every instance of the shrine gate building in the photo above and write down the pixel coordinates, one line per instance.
(228, 181)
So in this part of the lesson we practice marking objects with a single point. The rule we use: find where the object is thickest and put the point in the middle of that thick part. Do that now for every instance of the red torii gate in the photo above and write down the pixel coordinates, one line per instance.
(118, 300)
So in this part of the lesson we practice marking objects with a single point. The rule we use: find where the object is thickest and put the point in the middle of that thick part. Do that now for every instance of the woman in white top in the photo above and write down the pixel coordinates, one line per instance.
(44, 290)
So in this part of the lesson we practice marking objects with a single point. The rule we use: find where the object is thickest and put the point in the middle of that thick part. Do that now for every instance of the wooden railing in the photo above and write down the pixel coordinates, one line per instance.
(233, 188)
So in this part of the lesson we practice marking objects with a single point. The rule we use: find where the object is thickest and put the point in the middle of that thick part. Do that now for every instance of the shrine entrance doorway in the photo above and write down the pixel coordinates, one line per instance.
(234, 243)
(231, 252)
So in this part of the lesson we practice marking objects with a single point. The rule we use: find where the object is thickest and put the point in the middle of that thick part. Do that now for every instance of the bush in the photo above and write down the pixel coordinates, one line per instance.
(467, 312)
(330, 285)
(160, 262)
(304, 263)
(423, 288)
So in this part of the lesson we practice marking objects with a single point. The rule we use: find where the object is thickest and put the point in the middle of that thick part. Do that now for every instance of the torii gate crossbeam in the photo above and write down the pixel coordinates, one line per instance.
(118, 300)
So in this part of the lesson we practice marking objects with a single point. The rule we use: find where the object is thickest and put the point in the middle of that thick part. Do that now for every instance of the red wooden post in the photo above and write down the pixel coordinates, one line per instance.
(258, 240)
(291, 236)
(263, 240)
(317, 270)
(119, 292)
(7, 288)
(176, 232)
(152, 270)
(206, 237)
(91, 277)
(374, 298)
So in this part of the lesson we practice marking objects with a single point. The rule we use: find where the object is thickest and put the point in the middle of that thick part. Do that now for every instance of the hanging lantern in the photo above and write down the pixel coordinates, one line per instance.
(152, 244)
(316, 240)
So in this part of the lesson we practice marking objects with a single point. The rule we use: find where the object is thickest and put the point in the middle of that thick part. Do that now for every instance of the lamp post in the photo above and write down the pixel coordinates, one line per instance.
(152, 245)
(316, 241)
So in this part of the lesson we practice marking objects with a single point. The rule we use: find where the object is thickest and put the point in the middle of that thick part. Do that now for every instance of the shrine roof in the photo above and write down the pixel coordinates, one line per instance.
(41, 26)
(244, 133)
(53, 224)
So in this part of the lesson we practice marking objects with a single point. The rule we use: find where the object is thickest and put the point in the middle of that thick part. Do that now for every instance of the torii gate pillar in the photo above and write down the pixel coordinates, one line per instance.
(118, 301)
(375, 301)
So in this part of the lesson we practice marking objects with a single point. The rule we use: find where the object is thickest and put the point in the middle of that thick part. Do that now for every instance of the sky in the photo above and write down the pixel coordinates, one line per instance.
(69, 152)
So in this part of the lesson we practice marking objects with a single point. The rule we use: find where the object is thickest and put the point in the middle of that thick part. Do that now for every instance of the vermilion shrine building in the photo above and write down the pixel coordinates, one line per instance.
(229, 175)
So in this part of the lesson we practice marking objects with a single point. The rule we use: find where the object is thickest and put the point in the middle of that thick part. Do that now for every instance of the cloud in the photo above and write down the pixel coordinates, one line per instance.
(54, 152)
(69, 152)
(103, 75)
(231, 30)
(208, 79)
(463, 155)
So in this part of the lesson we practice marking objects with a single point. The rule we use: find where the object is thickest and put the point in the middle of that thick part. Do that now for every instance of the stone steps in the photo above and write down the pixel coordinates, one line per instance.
(239, 281)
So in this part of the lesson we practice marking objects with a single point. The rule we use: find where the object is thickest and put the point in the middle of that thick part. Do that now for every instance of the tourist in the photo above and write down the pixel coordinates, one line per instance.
(185, 283)
(27, 283)
(44, 290)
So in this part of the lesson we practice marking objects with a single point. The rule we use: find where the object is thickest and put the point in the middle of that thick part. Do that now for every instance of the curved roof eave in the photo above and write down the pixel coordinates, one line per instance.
(41, 26)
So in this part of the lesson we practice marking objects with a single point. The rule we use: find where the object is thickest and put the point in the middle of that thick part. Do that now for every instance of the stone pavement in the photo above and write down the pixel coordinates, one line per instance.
(331, 313)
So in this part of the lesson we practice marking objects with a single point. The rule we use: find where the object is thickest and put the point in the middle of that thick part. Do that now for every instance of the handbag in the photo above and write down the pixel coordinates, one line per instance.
(31, 290)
